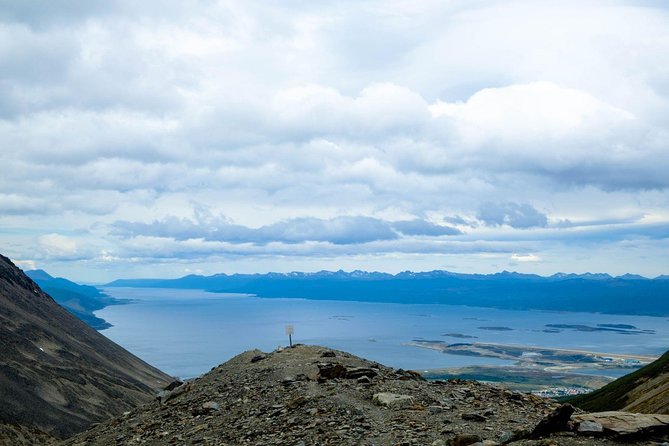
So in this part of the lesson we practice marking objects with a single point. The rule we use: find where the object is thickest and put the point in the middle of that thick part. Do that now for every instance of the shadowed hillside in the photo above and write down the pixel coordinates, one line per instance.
(80, 300)
(58, 374)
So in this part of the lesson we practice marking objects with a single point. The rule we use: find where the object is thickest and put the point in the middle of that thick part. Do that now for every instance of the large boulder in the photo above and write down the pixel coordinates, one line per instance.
(625, 423)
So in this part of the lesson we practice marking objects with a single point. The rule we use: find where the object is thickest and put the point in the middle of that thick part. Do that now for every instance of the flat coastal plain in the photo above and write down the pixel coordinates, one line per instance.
(542, 370)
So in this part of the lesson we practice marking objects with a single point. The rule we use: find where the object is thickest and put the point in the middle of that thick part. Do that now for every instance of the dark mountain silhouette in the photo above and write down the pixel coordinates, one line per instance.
(57, 374)
(80, 300)
(628, 294)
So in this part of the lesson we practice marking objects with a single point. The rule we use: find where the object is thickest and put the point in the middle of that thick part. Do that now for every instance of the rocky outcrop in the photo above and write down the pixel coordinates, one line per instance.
(622, 424)
(57, 374)
(292, 397)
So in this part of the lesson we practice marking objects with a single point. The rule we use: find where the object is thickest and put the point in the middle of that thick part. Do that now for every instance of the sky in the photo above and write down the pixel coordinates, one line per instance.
(159, 139)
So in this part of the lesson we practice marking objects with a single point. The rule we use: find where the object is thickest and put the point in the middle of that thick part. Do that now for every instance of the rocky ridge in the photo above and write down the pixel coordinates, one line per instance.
(309, 395)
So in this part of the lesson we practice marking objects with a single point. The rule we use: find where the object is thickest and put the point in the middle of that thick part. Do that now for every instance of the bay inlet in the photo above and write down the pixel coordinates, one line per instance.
(187, 332)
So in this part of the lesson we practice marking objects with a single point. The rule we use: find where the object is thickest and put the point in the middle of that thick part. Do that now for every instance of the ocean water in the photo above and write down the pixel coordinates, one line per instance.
(187, 332)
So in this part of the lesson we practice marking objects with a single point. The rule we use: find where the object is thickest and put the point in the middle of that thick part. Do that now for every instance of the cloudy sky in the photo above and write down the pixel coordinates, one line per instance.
(157, 139)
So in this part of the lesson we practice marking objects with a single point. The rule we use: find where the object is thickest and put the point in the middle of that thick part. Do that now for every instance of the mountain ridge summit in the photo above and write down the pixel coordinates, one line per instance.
(313, 395)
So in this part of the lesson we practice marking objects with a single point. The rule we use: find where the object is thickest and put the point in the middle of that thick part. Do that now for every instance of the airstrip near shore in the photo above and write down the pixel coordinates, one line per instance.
(551, 371)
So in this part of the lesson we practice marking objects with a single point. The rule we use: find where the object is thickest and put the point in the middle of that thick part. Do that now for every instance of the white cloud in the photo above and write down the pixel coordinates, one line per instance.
(25, 264)
(57, 245)
(393, 112)
(525, 258)
(525, 114)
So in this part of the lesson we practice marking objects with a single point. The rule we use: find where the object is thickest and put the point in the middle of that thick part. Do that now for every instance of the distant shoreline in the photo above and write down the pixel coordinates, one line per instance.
(547, 371)
(587, 293)
(546, 358)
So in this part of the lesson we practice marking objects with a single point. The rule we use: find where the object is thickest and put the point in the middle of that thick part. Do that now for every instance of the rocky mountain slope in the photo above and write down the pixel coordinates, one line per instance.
(57, 374)
(645, 391)
(311, 395)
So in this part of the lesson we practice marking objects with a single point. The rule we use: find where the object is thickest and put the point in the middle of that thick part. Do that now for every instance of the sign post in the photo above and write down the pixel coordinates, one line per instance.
(289, 331)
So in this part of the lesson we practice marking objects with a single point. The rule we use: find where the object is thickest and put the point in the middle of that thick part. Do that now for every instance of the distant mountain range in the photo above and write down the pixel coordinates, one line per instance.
(626, 294)
(80, 300)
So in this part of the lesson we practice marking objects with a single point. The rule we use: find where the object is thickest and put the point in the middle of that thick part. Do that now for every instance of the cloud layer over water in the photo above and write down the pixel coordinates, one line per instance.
(242, 136)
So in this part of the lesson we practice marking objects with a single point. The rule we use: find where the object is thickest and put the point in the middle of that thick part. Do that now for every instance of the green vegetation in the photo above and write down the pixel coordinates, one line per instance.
(615, 395)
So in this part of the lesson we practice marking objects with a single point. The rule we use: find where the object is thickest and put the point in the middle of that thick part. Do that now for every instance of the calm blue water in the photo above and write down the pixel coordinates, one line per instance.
(187, 332)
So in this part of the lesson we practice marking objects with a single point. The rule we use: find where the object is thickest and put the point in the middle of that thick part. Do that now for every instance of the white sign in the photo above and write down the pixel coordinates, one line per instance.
(289, 329)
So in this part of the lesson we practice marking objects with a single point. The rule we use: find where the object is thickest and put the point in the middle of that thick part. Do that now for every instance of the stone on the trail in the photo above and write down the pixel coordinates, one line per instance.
(173, 385)
(506, 437)
(206, 408)
(464, 440)
(515, 435)
(473, 417)
(259, 357)
(296, 402)
(166, 395)
(211, 405)
(331, 371)
(556, 421)
(409, 374)
(392, 400)
(358, 372)
(590, 427)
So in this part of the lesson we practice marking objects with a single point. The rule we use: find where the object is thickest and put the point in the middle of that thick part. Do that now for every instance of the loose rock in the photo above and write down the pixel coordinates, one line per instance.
(285, 399)
(556, 421)
(590, 427)
(392, 400)
(464, 440)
